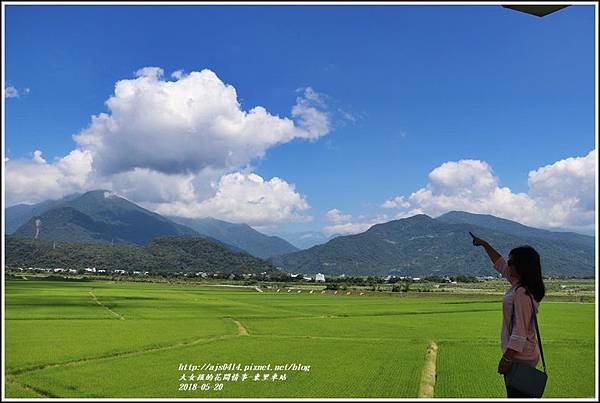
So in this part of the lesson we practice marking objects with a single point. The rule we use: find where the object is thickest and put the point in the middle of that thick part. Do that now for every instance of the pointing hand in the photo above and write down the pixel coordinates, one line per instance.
(476, 241)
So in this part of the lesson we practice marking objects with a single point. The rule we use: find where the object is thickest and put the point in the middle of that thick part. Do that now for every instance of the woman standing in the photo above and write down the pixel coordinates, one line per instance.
(518, 338)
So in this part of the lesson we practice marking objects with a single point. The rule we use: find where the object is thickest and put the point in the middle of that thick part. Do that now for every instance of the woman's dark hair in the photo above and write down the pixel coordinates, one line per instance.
(526, 261)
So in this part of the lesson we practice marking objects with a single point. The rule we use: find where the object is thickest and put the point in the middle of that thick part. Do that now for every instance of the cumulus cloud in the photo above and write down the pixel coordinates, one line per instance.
(11, 92)
(177, 146)
(337, 217)
(560, 195)
(34, 180)
(195, 121)
(343, 224)
(246, 198)
(396, 202)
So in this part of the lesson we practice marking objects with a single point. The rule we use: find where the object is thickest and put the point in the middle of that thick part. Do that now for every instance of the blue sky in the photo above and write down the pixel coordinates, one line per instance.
(423, 85)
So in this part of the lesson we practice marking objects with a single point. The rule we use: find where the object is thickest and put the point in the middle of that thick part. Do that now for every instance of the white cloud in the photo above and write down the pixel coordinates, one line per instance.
(37, 157)
(34, 180)
(11, 92)
(567, 190)
(337, 217)
(246, 198)
(177, 74)
(310, 117)
(396, 202)
(177, 147)
(343, 225)
(195, 121)
(561, 195)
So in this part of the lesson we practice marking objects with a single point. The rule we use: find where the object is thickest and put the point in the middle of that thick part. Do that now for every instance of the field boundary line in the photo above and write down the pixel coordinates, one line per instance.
(122, 354)
(242, 331)
(237, 286)
(104, 306)
(428, 374)
(292, 336)
(345, 316)
(29, 388)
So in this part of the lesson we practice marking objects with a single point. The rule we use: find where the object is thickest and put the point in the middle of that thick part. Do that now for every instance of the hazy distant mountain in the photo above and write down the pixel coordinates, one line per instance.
(305, 239)
(421, 246)
(240, 235)
(98, 216)
(21, 213)
(163, 254)
(513, 227)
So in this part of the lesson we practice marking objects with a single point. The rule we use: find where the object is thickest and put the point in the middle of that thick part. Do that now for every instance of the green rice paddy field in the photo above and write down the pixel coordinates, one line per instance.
(122, 339)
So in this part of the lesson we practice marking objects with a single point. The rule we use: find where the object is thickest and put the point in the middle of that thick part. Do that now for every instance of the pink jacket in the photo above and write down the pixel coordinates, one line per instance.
(522, 336)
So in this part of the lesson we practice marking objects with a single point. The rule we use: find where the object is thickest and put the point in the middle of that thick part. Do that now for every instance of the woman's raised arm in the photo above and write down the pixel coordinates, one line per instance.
(492, 253)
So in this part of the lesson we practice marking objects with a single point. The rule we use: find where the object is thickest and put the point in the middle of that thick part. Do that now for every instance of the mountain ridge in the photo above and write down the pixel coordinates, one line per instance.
(240, 235)
(422, 246)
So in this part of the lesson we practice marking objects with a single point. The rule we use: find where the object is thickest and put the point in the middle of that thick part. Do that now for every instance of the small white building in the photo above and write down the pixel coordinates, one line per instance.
(307, 278)
(320, 277)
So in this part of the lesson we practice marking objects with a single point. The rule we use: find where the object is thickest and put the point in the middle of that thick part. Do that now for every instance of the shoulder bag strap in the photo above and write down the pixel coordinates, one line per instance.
(537, 328)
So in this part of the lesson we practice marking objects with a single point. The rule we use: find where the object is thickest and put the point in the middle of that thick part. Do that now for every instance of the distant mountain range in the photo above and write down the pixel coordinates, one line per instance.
(514, 228)
(305, 239)
(163, 254)
(21, 213)
(240, 235)
(96, 216)
(101, 216)
(422, 246)
(416, 246)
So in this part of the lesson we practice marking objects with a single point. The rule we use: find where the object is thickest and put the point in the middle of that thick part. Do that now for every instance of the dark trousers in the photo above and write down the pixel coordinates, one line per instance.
(510, 392)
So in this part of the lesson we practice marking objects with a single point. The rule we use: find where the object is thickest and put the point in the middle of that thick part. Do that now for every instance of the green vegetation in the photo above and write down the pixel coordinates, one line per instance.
(239, 235)
(421, 246)
(123, 339)
(96, 216)
(164, 254)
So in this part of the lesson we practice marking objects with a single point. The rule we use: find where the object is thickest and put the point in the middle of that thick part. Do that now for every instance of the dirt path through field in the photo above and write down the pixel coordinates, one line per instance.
(428, 375)
(104, 306)
(242, 331)
(31, 389)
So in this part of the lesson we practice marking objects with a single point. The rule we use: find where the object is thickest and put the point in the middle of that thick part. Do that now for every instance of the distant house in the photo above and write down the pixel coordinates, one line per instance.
(101, 271)
(320, 277)
(72, 271)
(137, 273)
(307, 278)
(119, 271)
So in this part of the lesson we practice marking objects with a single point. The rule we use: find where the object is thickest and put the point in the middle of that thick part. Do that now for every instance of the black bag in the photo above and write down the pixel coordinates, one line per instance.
(524, 378)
